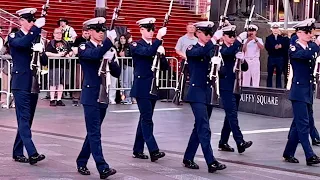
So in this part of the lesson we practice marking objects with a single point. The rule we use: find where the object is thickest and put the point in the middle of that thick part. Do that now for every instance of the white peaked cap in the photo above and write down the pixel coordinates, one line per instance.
(97, 20)
(146, 21)
(26, 11)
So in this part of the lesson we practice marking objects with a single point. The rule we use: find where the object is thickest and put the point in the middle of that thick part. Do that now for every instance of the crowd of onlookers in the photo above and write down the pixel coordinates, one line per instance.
(65, 73)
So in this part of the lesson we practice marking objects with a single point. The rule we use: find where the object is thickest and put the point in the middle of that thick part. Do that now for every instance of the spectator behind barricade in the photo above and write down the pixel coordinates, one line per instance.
(252, 47)
(5, 55)
(286, 46)
(186, 40)
(69, 34)
(127, 73)
(57, 48)
(75, 68)
(183, 43)
(275, 45)
(81, 39)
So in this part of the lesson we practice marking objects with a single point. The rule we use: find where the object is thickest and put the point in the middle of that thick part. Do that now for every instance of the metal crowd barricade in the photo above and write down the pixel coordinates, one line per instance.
(5, 76)
(61, 71)
(68, 73)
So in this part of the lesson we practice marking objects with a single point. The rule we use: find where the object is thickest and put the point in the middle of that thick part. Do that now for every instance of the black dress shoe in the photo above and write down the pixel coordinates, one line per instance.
(243, 146)
(21, 159)
(53, 103)
(156, 155)
(107, 172)
(190, 164)
(225, 147)
(291, 159)
(313, 160)
(316, 142)
(216, 166)
(83, 170)
(60, 103)
(36, 158)
(140, 156)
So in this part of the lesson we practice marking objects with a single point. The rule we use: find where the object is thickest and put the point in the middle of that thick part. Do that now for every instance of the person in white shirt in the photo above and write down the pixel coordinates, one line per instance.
(252, 47)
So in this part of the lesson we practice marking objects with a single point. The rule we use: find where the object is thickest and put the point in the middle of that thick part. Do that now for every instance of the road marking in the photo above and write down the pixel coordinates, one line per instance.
(137, 110)
(248, 168)
(262, 131)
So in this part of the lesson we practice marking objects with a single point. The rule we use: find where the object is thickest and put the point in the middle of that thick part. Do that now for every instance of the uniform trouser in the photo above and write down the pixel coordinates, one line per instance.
(275, 62)
(112, 93)
(145, 126)
(300, 130)
(314, 134)
(26, 103)
(201, 133)
(252, 73)
(94, 116)
(230, 103)
(285, 71)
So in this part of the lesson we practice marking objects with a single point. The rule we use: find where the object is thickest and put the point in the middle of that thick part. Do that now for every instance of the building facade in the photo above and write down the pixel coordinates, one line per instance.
(271, 10)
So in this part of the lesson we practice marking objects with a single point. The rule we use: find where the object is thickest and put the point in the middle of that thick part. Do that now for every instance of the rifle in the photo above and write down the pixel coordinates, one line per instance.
(177, 91)
(35, 62)
(316, 75)
(104, 70)
(237, 69)
(156, 61)
(216, 61)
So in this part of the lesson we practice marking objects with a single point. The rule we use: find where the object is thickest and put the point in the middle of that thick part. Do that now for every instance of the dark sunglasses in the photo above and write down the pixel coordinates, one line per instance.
(151, 29)
(100, 30)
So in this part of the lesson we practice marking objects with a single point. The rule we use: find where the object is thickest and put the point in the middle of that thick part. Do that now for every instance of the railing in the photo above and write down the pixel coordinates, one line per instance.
(200, 7)
(68, 73)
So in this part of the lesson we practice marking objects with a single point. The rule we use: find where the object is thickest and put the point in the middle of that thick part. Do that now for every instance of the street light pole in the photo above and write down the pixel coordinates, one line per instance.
(100, 10)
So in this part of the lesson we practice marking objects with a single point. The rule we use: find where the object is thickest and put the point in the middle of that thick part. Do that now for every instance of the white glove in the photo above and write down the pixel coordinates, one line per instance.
(38, 47)
(218, 34)
(161, 50)
(162, 32)
(40, 22)
(112, 35)
(243, 36)
(108, 55)
(216, 60)
(240, 55)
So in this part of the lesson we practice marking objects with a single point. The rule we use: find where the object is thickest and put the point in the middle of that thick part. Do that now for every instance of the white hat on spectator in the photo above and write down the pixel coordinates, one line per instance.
(275, 25)
(253, 27)
(146, 21)
(27, 13)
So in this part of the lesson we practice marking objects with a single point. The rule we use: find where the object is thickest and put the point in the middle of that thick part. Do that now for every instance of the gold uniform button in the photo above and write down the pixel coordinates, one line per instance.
(138, 76)
(192, 84)
(88, 86)
(297, 82)
(207, 82)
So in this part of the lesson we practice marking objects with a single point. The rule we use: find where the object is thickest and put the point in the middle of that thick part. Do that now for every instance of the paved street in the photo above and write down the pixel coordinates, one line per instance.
(58, 132)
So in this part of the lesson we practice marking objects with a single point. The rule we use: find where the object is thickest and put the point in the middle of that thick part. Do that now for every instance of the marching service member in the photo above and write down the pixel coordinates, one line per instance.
(143, 52)
(21, 48)
(199, 96)
(230, 51)
(90, 54)
(302, 58)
